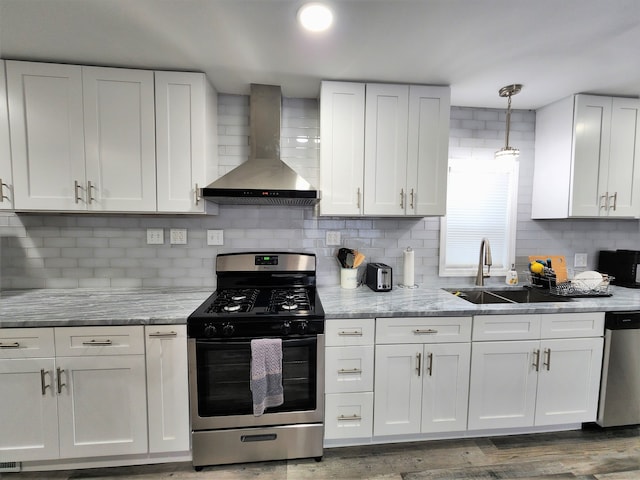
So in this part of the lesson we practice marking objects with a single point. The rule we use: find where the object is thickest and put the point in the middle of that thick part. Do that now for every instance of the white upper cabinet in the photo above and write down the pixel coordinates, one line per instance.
(585, 158)
(342, 148)
(119, 139)
(384, 149)
(186, 140)
(6, 176)
(47, 135)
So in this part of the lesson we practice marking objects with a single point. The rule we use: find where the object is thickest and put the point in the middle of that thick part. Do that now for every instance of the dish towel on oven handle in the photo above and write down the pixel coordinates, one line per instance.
(266, 374)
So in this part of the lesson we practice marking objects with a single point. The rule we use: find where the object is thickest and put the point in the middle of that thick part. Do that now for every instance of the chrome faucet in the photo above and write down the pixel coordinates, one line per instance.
(485, 259)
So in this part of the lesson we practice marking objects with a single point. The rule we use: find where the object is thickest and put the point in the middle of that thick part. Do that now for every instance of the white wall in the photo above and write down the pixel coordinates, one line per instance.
(70, 251)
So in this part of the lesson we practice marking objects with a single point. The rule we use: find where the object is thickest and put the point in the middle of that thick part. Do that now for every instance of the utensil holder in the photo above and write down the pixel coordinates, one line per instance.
(349, 278)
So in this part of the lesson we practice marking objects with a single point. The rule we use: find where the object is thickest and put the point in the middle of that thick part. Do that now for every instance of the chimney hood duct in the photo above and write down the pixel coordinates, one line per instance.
(263, 179)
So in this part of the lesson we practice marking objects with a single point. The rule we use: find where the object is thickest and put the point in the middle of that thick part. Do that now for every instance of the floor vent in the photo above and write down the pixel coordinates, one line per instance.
(10, 467)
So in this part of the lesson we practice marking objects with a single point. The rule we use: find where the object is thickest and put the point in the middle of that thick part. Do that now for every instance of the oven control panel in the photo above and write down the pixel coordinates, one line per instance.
(243, 329)
(266, 259)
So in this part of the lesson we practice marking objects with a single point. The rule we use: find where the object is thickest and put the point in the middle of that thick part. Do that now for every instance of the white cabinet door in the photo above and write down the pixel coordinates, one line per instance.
(398, 389)
(6, 175)
(102, 405)
(186, 139)
(569, 381)
(428, 150)
(47, 135)
(623, 167)
(385, 151)
(119, 124)
(28, 415)
(445, 390)
(502, 391)
(167, 388)
(342, 107)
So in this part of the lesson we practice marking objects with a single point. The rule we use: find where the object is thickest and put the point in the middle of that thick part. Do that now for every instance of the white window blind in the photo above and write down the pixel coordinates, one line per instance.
(481, 202)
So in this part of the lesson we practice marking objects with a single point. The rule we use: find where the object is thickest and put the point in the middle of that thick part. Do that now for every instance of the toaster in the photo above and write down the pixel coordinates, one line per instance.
(379, 277)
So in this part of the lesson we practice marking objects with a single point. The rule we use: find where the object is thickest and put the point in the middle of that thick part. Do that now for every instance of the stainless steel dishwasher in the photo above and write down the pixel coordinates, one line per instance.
(620, 386)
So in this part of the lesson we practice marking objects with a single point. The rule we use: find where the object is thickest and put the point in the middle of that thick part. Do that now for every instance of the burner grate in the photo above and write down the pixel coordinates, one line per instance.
(234, 300)
(289, 300)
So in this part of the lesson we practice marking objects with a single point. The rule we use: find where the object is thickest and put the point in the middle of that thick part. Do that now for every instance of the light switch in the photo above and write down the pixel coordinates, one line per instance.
(215, 237)
(178, 236)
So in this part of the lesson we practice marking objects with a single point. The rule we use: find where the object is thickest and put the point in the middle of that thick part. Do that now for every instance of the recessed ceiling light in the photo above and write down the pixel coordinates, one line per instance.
(315, 17)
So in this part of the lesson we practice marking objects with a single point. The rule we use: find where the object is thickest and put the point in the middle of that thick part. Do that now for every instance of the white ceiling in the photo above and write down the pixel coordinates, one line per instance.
(553, 47)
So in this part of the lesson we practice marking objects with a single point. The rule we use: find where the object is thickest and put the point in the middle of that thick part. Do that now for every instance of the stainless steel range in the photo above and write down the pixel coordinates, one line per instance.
(259, 296)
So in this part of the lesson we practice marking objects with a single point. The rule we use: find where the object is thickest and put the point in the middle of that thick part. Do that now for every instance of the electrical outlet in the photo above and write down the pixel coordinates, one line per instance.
(215, 237)
(332, 238)
(178, 236)
(580, 260)
(155, 236)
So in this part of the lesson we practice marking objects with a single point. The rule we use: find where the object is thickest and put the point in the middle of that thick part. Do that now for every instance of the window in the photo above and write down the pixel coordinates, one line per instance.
(482, 197)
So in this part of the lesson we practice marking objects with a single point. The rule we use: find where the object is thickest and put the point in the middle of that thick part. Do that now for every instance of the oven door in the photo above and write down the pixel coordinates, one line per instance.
(219, 383)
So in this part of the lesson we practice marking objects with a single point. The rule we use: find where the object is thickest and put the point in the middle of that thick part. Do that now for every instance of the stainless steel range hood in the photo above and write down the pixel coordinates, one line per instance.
(264, 179)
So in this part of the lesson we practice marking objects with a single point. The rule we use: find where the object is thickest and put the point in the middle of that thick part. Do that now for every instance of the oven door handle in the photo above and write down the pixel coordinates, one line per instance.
(286, 342)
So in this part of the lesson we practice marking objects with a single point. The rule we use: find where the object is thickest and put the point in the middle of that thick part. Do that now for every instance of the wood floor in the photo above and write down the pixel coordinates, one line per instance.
(592, 453)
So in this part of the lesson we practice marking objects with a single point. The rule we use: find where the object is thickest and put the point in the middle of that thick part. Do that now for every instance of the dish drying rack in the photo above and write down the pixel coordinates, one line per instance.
(569, 288)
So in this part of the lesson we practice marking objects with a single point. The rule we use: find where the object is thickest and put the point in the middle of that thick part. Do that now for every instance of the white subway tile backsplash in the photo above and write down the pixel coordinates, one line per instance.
(71, 251)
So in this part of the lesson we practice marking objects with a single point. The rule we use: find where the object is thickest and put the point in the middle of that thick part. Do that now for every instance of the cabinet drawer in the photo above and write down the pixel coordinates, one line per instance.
(348, 415)
(349, 331)
(349, 369)
(26, 342)
(423, 330)
(77, 341)
(571, 325)
(506, 327)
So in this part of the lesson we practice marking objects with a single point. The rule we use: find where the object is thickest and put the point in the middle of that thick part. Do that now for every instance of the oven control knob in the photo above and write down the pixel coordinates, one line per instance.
(303, 326)
(285, 328)
(228, 330)
(209, 331)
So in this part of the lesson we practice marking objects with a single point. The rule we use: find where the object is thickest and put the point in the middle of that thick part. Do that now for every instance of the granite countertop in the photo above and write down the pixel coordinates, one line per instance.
(92, 307)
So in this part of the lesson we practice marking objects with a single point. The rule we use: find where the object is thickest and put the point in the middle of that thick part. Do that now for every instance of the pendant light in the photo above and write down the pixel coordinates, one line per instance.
(508, 92)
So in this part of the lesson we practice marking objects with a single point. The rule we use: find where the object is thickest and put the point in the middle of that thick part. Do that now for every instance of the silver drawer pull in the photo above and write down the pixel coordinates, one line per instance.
(349, 370)
(96, 343)
(59, 372)
(428, 331)
(349, 417)
(10, 345)
(163, 334)
(43, 383)
(353, 333)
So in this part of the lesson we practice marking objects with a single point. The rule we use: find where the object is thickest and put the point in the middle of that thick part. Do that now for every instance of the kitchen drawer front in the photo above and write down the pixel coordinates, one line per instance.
(26, 342)
(348, 415)
(423, 330)
(506, 327)
(112, 340)
(348, 369)
(572, 325)
(349, 331)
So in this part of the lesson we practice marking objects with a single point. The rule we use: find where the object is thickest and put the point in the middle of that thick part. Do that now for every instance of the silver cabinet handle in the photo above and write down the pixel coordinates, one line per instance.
(402, 198)
(163, 334)
(419, 363)
(430, 364)
(90, 197)
(606, 201)
(547, 353)
(2, 195)
(198, 194)
(349, 417)
(428, 331)
(76, 188)
(411, 202)
(358, 199)
(615, 201)
(536, 363)
(10, 345)
(43, 383)
(98, 343)
(350, 333)
(59, 372)
(344, 371)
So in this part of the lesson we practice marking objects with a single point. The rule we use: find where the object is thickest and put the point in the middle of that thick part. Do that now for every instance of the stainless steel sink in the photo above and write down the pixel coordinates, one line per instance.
(481, 296)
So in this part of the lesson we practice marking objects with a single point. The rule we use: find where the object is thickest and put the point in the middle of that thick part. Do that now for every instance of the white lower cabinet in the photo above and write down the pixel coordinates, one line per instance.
(167, 388)
(349, 378)
(421, 387)
(81, 392)
(546, 381)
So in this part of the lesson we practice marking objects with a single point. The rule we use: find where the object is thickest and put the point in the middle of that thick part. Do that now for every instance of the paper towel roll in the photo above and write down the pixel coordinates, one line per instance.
(408, 260)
